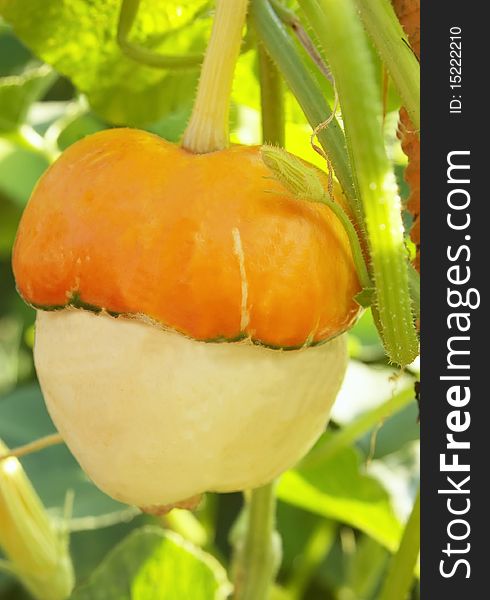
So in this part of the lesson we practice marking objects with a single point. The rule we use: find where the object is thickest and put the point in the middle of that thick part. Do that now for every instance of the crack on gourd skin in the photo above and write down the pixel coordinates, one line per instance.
(238, 251)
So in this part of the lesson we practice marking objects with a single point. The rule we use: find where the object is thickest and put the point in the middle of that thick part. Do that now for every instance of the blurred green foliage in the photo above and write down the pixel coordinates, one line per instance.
(340, 519)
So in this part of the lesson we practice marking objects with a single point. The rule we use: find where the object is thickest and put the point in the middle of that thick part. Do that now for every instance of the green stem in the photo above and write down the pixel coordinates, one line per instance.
(352, 432)
(355, 244)
(272, 101)
(289, 18)
(341, 34)
(258, 557)
(207, 130)
(401, 571)
(390, 40)
(129, 10)
(282, 49)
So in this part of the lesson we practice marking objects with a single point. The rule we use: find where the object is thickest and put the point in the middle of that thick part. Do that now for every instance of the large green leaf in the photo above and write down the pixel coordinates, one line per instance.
(338, 489)
(18, 92)
(54, 471)
(78, 38)
(151, 563)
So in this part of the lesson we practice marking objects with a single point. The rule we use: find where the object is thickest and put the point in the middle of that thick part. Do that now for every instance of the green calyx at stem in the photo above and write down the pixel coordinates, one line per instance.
(207, 130)
(341, 34)
(305, 183)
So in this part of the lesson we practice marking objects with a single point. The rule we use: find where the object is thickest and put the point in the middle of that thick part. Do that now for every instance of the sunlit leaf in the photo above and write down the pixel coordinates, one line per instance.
(18, 92)
(338, 489)
(151, 563)
(79, 39)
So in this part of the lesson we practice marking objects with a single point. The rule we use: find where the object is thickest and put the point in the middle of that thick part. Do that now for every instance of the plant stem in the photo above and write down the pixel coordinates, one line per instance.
(341, 34)
(207, 130)
(258, 557)
(46, 441)
(391, 42)
(401, 571)
(127, 15)
(355, 244)
(307, 91)
(272, 101)
(353, 431)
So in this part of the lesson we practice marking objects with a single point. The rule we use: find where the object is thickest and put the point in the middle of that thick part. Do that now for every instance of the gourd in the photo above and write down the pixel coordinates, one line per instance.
(190, 307)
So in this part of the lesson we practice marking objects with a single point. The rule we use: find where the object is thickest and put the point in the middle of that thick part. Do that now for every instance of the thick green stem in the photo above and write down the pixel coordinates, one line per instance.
(283, 51)
(341, 34)
(145, 56)
(207, 130)
(352, 432)
(390, 40)
(401, 571)
(258, 557)
(272, 101)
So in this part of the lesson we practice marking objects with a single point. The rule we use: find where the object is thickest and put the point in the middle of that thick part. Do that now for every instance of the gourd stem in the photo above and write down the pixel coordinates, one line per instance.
(259, 555)
(207, 130)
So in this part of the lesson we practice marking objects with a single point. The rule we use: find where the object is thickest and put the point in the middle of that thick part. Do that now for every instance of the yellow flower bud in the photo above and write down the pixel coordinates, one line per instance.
(36, 550)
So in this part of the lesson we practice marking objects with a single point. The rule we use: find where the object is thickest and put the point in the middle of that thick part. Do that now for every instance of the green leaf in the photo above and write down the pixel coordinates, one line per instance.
(54, 471)
(19, 171)
(151, 563)
(18, 92)
(337, 489)
(79, 39)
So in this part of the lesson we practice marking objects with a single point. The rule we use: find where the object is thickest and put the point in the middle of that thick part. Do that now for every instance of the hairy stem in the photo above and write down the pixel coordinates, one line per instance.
(341, 34)
(282, 49)
(390, 40)
(207, 130)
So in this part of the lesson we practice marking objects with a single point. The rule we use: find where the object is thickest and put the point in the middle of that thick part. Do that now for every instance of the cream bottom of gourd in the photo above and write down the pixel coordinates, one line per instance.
(154, 417)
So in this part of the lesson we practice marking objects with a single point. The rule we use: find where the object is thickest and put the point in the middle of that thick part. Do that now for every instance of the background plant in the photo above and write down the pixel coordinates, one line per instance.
(72, 68)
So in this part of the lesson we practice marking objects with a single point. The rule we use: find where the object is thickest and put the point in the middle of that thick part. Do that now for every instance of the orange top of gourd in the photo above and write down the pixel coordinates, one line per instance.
(209, 245)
